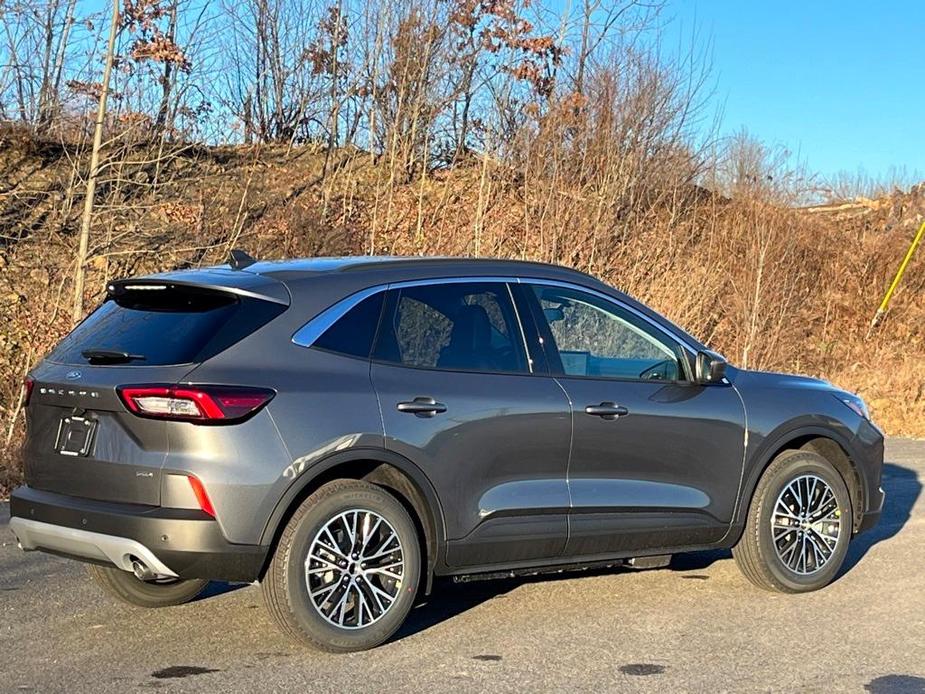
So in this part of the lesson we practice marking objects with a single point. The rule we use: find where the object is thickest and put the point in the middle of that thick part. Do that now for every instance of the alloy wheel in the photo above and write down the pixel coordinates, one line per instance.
(806, 524)
(354, 569)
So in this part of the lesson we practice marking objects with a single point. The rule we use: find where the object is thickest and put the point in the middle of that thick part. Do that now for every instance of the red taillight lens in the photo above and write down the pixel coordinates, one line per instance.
(27, 385)
(204, 502)
(194, 403)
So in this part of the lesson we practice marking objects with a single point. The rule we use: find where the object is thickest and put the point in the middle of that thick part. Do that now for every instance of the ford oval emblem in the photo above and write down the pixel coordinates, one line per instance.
(72, 375)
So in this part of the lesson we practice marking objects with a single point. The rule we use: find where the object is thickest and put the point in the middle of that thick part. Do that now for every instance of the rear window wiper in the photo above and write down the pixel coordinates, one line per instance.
(110, 356)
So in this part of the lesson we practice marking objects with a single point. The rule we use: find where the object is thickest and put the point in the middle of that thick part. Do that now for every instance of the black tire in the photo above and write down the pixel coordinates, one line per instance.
(150, 594)
(756, 554)
(284, 587)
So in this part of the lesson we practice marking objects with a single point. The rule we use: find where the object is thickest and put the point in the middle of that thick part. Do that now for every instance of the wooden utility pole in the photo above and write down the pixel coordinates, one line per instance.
(94, 169)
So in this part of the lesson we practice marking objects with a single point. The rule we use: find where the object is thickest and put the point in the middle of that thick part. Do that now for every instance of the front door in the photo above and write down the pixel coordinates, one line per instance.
(656, 460)
(458, 397)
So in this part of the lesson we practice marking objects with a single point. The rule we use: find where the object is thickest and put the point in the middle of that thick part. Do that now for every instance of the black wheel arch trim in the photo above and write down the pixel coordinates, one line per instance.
(436, 544)
(772, 444)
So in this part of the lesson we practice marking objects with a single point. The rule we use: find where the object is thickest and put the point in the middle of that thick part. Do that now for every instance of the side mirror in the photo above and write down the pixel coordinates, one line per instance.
(710, 368)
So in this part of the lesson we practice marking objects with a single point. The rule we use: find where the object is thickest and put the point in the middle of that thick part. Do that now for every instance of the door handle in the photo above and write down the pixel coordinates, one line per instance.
(422, 407)
(607, 410)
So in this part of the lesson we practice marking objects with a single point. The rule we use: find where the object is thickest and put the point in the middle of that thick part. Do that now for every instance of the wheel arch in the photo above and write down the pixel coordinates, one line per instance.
(395, 473)
(830, 444)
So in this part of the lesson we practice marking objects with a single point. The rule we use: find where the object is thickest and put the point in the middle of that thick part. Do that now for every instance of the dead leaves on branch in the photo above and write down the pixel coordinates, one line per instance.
(494, 27)
(159, 49)
(144, 18)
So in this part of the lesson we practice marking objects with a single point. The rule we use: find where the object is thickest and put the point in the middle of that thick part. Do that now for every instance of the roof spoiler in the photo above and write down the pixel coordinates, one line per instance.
(245, 284)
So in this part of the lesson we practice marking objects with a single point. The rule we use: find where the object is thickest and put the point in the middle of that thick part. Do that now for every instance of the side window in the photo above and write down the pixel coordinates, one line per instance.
(453, 326)
(597, 338)
(354, 332)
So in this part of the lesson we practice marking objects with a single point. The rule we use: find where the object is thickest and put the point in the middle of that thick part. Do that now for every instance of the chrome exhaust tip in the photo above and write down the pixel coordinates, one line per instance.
(141, 571)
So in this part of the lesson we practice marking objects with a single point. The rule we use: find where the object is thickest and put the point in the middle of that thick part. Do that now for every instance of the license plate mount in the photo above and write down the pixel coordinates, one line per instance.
(75, 436)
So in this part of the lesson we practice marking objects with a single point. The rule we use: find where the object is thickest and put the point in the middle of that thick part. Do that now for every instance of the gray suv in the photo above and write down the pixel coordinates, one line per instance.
(344, 430)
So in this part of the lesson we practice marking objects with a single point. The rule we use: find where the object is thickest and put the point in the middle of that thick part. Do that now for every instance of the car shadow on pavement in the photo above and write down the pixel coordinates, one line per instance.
(902, 487)
(216, 588)
(449, 599)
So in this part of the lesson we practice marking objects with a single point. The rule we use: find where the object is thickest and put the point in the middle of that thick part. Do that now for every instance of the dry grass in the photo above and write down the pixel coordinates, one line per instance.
(771, 287)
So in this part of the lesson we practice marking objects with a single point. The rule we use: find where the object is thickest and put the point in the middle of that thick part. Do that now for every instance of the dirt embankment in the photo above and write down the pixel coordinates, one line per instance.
(770, 287)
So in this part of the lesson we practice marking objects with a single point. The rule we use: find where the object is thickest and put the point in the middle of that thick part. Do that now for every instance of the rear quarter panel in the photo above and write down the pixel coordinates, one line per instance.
(324, 404)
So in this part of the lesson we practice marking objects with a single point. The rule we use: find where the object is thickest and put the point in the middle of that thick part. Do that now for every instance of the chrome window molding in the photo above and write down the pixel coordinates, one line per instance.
(315, 328)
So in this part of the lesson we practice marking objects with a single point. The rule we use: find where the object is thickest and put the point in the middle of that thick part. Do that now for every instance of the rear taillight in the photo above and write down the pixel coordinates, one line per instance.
(27, 385)
(215, 404)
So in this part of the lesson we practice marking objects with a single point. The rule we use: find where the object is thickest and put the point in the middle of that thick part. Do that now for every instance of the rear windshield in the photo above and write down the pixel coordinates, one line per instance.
(165, 325)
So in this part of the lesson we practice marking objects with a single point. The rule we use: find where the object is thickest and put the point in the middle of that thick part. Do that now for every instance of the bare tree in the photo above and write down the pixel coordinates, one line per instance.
(87, 216)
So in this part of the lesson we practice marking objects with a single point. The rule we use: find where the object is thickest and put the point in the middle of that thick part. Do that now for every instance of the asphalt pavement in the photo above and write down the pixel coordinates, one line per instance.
(696, 626)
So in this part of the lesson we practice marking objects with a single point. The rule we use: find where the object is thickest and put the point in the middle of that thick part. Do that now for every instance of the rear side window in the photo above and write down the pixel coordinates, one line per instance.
(167, 325)
(354, 332)
(453, 326)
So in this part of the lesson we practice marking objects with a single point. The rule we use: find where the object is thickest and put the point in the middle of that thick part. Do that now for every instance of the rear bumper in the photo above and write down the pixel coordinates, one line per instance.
(172, 542)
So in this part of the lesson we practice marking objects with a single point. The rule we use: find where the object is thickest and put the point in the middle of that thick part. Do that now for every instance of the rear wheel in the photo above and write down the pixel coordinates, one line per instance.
(154, 593)
(799, 525)
(346, 570)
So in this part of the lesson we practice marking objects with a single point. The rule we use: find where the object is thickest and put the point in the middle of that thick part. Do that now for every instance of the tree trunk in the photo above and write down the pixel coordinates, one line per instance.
(62, 49)
(94, 170)
(51, 83)
(163, 121)
(45, 85)
(583, 51)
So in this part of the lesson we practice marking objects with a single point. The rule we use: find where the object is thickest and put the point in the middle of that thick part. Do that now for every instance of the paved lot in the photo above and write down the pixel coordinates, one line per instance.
(695, 627)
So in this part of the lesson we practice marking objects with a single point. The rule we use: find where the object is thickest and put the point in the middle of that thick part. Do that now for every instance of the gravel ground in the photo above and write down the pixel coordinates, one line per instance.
(696, 626)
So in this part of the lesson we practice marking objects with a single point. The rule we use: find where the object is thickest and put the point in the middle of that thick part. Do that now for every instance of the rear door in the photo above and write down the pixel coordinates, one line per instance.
(459, 398)
(656, 459)
(81, 440)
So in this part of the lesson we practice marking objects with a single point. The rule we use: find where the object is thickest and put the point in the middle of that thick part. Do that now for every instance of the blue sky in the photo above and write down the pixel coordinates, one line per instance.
(840, 84)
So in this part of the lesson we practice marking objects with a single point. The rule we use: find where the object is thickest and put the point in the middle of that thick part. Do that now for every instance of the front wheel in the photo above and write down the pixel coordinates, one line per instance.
(154, 593)
(799, 525)
(346, 570)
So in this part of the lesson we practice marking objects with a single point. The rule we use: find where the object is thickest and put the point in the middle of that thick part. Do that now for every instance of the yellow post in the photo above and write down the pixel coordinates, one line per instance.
(899, 274)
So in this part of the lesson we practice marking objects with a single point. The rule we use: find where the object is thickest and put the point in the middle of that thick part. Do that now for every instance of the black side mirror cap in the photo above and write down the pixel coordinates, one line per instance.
(710, 368)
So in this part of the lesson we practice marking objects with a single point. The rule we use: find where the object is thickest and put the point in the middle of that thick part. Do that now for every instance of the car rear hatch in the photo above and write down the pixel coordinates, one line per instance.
(81, 439)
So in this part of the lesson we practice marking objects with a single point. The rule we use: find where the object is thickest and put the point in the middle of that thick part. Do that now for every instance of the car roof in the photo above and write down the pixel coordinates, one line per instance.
(324, 280)
(277, 280)
(399, 264)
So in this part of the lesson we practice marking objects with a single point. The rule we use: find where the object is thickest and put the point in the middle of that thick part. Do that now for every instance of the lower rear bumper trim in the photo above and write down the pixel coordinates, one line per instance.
(186, 542)
(120, 551)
